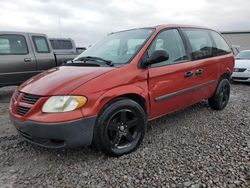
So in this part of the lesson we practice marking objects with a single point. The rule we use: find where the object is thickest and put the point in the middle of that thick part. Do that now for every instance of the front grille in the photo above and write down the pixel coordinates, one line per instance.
(21, 110)
(30, 99)
(239, 70)
(240, 78)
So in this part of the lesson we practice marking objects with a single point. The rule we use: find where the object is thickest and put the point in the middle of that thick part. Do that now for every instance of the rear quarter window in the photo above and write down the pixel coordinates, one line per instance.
(221, 47)
(11, 44)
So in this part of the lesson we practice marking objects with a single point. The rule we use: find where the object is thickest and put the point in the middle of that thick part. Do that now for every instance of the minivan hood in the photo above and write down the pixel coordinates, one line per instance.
(242, 63)
(61, 80)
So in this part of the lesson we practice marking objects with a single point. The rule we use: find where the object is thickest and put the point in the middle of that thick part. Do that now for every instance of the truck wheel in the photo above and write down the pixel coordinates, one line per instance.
(221, 96)
(120, 128)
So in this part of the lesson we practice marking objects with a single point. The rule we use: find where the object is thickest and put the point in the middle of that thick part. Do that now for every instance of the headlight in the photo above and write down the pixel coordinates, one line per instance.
(63, 103)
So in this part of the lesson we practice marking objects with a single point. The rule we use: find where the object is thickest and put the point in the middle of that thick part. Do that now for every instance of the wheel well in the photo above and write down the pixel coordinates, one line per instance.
(135, 97)
(225, 75)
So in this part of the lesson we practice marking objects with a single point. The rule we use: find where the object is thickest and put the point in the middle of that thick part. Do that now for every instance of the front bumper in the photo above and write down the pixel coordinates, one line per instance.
(57, 135)
(241, 76)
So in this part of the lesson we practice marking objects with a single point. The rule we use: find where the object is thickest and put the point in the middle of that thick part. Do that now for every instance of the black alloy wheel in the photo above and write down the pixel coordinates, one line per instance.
(120, 128)
(221, 96)
(224, 94)
(123, 129)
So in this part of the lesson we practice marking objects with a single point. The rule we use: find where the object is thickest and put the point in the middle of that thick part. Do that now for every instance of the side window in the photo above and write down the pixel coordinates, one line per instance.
(171, 42)
(13, 44)
(41, 44)
(221, 47)
(201, 44)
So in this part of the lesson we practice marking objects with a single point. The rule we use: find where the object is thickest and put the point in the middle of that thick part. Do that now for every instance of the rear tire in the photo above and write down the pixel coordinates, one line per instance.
(120, 128)
(221, 96)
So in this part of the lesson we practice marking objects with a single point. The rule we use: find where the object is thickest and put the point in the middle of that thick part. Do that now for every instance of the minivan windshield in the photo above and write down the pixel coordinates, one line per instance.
(119, 47)
(243, 55)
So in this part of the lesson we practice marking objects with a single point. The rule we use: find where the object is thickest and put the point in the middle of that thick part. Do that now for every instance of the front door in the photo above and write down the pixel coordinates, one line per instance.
(17, 59)
(170, 82)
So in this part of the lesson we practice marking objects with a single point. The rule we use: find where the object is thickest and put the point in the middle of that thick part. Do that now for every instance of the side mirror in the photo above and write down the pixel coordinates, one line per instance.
(156, 57)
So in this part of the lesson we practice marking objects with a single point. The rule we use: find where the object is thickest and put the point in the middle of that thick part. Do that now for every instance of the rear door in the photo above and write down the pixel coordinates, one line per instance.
(206, 65)
(17, 61)
(44, 55)
(170, 82)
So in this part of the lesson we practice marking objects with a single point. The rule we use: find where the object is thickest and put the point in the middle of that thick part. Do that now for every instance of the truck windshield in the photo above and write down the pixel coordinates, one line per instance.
(120, 47)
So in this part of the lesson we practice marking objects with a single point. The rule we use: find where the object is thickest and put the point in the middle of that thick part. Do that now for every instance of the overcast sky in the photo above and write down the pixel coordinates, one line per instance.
(86, 21)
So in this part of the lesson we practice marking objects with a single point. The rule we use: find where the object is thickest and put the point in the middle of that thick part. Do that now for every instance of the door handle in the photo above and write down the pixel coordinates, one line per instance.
(27, 59)
(198, 72)
(188, 74)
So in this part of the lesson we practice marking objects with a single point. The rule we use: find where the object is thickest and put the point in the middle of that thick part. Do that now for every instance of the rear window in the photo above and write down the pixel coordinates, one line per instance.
(221, 47)
(13, 44)
(201, 44)
(61, 44)
(41, 44)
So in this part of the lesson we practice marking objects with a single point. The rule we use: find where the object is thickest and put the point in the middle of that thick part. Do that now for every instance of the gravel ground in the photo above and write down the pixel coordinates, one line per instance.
(196, 147)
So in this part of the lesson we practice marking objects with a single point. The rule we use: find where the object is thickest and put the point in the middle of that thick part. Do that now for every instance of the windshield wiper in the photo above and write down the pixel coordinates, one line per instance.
(80, 63)
(107, 62)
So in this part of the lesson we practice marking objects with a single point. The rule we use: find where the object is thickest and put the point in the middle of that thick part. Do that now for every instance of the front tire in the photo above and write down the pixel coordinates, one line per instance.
(221, 96)
(120, 128)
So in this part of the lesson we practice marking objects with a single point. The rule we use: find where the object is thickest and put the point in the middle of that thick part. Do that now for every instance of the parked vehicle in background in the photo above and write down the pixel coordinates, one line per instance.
(63, 45)
(106, 95)
(79, 50)
(242, 67)
(23, 55)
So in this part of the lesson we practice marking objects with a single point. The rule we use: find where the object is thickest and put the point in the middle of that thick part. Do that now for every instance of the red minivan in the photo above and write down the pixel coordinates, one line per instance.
(106, 95)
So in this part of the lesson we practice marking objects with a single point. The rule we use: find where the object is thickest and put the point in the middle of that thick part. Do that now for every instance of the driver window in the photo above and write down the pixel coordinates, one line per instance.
(171, 42)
